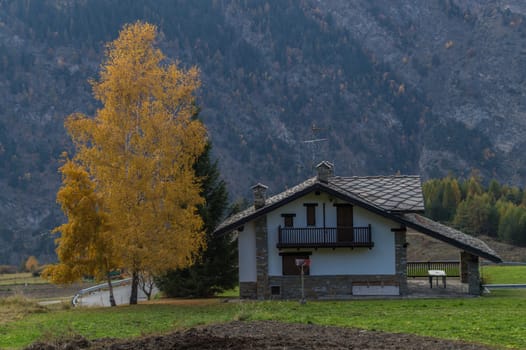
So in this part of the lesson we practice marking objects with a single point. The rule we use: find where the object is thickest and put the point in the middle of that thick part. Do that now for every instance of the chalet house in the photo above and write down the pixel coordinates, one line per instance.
(351, 230)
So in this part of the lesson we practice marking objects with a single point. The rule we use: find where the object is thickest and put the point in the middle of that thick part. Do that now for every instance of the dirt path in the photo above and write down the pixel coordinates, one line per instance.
(267, 335)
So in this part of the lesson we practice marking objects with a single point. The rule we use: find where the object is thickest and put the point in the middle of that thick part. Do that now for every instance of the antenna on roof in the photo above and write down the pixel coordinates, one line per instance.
(315, 144)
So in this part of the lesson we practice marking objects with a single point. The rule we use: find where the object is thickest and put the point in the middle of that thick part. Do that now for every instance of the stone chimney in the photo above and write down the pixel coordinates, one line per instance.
(260, 195)
(325, 171)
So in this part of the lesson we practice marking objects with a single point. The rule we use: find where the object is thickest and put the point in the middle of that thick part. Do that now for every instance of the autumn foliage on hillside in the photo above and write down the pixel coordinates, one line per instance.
(496, 210)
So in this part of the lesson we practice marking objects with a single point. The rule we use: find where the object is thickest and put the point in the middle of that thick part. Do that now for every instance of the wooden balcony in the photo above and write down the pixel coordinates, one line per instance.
(324, 237)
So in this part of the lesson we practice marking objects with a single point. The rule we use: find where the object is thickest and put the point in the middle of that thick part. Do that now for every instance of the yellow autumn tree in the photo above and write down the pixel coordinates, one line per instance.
(31, 264)
(140, 148)
(85, 246)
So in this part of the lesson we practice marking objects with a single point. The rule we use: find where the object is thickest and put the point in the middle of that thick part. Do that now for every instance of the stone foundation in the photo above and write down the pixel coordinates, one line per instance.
(401, 259)
(332, 287)
(469, 272)
(262, 257)
(248, 290)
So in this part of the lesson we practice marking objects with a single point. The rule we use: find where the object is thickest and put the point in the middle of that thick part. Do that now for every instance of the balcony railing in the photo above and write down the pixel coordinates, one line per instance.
(420, 268)
(323, 237)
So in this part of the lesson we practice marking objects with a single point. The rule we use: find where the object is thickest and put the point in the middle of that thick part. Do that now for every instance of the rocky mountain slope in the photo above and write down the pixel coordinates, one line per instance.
(420, 87)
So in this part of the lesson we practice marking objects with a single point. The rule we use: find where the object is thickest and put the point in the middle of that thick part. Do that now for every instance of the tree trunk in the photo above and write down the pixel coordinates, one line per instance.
(146, 283)
(110, 286)
(134, 288)
(147, 290)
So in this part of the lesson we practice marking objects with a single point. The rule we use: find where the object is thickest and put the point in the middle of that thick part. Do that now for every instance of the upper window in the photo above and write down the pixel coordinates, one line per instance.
(311, 213)
(288, 220)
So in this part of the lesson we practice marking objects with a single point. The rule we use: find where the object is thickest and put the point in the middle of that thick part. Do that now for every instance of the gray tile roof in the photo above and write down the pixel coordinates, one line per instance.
(450, 235)
(397, 197)
(269, 202)
(384, 193)
(391, 193)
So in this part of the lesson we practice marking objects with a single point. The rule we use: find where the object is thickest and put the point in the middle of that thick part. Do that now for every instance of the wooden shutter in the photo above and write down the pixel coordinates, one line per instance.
(311, 213)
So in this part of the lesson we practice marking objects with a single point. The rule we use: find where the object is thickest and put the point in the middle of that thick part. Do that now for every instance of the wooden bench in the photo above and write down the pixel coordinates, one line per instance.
(437, 274)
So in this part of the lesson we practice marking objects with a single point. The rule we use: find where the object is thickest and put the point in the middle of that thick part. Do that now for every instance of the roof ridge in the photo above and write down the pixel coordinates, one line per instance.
(269, 199)
(376, 176)
(382, 194)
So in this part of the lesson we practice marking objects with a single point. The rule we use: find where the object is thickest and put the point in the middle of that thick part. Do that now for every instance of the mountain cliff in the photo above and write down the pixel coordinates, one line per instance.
(410, 86)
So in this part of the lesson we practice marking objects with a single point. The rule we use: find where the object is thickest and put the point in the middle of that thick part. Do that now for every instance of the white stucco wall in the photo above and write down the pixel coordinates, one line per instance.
(380, 260)
(246, 244)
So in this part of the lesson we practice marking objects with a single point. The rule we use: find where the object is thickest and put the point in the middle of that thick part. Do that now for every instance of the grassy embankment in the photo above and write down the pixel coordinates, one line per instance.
(496, 319)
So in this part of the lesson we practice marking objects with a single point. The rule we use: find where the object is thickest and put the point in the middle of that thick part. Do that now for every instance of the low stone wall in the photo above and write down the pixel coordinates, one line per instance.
(329, 287)
(248, 290)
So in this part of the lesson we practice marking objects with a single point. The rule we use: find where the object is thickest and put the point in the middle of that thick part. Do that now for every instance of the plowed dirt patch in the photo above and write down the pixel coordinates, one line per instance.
(267, 335)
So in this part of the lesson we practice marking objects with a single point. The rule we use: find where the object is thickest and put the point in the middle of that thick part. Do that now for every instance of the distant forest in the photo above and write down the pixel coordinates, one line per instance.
(494, 210)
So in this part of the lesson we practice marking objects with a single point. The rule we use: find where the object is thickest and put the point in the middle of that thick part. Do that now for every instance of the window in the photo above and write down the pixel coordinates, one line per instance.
(288, 220)
(289, 263)
(275, 290)
(311, 213)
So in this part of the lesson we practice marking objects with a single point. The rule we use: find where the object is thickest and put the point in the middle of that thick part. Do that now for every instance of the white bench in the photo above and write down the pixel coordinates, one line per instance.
(437, 274)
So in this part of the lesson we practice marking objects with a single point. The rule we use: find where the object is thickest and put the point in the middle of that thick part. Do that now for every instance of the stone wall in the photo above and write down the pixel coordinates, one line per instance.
(260, 225)
(248, 290)
(325, 287)
(401, 259)
(469, 272)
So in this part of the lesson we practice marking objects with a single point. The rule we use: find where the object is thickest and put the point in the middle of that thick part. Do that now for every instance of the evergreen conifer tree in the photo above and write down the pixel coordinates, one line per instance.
(216, 267)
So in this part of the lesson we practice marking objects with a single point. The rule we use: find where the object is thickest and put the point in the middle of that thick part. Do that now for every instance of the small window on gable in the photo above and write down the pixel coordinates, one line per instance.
(288, 220)
(311, 213)
(289, 263)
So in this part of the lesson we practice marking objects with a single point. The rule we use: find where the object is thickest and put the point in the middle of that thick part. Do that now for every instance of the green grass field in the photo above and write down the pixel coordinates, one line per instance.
(497, 319)
(503, 274)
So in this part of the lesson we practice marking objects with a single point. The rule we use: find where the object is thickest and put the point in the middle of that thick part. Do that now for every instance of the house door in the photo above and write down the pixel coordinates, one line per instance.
(344, 222)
